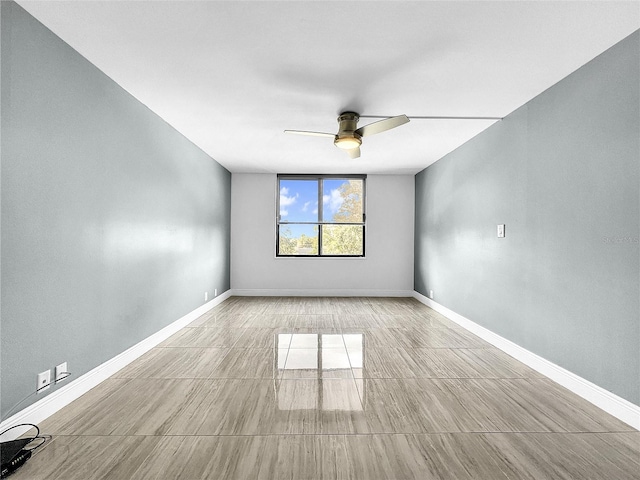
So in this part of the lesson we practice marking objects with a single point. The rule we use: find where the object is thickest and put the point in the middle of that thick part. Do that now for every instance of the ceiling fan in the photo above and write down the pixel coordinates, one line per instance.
(349, 137)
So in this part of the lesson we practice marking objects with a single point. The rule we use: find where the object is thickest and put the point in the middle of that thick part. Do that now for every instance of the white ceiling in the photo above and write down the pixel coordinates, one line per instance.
(232, 75)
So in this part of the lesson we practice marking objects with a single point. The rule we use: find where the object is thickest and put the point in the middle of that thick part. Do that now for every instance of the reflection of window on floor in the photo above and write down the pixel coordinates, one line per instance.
(320, 357)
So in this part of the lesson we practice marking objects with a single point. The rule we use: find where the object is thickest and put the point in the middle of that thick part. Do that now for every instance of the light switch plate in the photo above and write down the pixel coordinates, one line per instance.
(501, 231)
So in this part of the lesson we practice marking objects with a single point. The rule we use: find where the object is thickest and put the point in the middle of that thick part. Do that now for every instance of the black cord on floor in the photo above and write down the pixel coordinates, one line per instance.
(44, 438)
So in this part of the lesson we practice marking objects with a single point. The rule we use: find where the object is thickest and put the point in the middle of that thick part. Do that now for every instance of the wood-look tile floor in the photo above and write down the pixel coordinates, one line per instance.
(310, 388)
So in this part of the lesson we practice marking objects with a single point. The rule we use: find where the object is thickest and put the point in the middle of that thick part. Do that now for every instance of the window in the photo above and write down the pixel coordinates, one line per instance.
(320, 216)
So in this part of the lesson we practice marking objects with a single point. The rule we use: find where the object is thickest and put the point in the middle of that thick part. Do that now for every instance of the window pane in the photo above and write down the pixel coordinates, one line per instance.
(298, 240)
(342, 239)
(298, 200)
(342, 200)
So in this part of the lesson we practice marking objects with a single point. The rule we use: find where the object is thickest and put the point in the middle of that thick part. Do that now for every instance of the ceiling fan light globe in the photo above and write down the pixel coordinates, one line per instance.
(347, 143)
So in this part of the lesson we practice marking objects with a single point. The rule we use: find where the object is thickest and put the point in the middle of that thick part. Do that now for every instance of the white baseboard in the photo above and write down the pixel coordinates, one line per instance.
(60, 398)
(319, 292)
(601, 398)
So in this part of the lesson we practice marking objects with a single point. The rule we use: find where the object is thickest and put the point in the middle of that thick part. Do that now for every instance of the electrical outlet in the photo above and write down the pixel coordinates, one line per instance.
(215, 292)
(206, 296)
(501, 231)
(61, 372)
(44, 381)
(431, 294)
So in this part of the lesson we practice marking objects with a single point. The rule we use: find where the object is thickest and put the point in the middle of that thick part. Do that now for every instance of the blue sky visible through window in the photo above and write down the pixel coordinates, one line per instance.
(299, 203)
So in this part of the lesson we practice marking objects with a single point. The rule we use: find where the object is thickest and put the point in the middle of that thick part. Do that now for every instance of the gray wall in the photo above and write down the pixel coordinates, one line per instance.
(562, 173)
(387, 268)
(113, 224)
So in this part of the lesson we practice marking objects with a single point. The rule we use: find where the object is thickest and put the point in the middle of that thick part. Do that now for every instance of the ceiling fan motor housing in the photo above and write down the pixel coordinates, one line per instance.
(347, 138)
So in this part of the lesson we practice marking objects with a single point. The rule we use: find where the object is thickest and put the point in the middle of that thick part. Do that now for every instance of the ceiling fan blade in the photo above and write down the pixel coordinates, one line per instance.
(312, 134)
(382, 125)
(354, 152)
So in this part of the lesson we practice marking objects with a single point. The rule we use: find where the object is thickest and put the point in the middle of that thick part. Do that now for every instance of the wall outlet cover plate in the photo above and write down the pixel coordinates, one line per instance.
(44, 381)
(61, 372)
